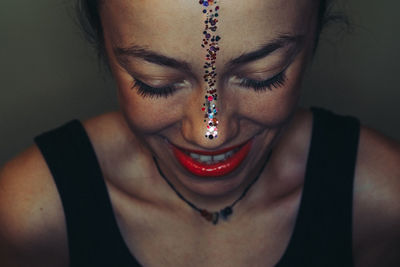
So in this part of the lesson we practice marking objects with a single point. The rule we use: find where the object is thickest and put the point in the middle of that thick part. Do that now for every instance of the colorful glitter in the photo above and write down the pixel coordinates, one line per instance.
(210, 43)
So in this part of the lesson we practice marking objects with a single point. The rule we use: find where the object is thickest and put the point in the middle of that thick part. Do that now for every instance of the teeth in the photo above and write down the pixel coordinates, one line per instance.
(219, 157)
(204, 158)
(194, 156)
(212, 159)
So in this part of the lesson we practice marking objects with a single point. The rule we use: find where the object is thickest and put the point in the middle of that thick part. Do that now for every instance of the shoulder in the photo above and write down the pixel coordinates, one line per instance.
(32, 229)
(32, 221)
(376, 212)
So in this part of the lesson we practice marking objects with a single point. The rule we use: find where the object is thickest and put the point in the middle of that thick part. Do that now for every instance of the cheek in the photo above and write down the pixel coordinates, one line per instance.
(147, 115)
(275, 107)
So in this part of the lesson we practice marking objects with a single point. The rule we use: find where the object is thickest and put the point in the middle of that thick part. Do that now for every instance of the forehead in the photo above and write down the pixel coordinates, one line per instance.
(175, 27)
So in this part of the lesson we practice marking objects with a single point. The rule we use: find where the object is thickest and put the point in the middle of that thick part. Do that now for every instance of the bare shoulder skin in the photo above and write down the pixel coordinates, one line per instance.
(32, 227)
(32, 222)
(376, 216)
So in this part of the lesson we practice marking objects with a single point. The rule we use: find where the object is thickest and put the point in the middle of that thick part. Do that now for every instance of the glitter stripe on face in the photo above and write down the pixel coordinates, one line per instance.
(210, 43)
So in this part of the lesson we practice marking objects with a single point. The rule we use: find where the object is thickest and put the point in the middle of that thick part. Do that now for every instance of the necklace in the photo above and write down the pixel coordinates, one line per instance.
(223, 213)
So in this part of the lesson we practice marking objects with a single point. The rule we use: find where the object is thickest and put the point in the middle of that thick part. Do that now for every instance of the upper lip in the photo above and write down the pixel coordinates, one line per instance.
(210, 153)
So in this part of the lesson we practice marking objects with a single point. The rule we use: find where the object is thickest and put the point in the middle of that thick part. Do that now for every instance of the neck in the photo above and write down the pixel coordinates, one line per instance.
(216, 203)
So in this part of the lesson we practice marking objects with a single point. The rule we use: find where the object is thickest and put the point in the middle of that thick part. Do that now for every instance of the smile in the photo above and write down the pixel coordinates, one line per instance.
(212, 164)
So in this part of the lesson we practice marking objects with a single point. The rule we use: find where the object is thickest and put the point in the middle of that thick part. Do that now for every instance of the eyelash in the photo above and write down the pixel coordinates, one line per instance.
(145, 90)
(274, 82)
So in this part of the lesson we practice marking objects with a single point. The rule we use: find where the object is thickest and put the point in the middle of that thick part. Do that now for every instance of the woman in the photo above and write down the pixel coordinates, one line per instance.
(209, 162)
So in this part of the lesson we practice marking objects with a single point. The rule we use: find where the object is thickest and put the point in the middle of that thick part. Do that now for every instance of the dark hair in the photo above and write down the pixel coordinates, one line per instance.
(89, 20)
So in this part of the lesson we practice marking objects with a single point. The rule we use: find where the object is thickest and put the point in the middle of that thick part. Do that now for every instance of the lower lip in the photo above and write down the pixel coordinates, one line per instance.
(219, 169)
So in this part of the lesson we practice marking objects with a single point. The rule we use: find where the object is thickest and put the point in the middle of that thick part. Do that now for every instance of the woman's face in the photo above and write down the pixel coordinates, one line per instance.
(264, 48)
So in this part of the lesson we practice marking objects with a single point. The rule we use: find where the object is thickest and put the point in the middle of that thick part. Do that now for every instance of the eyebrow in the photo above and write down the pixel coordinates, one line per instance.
(149, 56)
(162, 60)
(267, 48)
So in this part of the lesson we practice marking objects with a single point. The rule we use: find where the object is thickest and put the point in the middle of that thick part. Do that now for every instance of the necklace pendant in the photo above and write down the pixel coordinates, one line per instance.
(226, 212)
(211, 217)
(215, 218)
(206, 214)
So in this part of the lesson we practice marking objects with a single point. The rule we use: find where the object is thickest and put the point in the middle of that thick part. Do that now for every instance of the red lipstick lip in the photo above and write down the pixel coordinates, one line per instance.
(218, 169)
(210, 153)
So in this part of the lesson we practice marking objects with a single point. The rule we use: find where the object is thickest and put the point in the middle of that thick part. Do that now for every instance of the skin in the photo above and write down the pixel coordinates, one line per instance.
(154, 222)
(178, 118)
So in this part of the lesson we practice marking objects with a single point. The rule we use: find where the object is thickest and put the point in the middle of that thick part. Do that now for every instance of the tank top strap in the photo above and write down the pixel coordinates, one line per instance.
(323, 230)
(94, 238)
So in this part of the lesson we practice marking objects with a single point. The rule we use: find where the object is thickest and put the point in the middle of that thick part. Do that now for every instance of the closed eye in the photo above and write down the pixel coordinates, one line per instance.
(274, 82)
(146, 90)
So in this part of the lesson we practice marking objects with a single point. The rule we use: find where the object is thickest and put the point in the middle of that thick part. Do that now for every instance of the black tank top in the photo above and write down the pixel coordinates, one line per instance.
(322, 235)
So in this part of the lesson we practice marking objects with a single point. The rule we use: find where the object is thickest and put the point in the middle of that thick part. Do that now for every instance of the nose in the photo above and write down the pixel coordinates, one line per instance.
(203, 120)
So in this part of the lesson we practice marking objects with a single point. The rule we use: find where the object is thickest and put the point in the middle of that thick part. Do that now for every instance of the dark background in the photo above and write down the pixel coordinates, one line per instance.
(49, 75)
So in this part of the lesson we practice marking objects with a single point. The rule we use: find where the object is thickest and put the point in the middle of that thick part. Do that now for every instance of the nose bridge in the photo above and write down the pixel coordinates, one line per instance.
(207, 122)
(211, 48)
